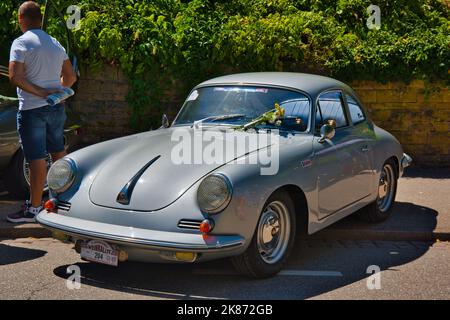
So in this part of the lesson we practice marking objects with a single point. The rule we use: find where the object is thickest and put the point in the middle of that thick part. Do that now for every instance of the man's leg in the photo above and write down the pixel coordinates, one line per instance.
(55, 132)
(38, 173)
(31, 129)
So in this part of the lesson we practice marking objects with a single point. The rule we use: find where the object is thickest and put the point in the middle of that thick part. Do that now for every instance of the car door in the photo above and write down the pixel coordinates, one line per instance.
(364, 138)
(337, 161)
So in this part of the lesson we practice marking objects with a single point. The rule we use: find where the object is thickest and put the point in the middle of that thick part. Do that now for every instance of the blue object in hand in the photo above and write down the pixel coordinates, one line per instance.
(58, 97)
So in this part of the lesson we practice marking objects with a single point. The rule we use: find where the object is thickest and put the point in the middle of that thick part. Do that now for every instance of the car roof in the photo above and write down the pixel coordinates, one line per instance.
(310, 83)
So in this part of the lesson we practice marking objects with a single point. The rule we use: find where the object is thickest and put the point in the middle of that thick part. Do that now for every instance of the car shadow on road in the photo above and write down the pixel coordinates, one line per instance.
(335, 264)
(218, 280)
(406, 217)
(11, 254)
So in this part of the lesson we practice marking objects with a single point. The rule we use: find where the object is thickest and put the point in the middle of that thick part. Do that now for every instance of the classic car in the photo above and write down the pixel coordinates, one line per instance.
(131, 198)
(14, 169)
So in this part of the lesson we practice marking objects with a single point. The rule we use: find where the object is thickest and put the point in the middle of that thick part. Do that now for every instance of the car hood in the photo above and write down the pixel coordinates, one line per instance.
(159, 180)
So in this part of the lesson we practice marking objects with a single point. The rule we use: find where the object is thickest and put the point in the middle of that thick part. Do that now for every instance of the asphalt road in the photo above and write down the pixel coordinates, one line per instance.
(318, 269)
(36, 269)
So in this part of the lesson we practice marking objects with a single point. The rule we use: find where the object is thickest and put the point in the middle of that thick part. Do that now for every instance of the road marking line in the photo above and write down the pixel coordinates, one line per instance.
(301, 273)
(310, 273)
(203, 297)
(212, 272)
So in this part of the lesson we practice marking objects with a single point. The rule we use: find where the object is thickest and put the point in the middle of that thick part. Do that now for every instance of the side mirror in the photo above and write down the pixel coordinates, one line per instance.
(165, 121)
(327, 132)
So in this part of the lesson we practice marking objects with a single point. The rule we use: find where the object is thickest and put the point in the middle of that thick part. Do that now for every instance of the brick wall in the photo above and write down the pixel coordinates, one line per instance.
(418, 114)
(100, 102)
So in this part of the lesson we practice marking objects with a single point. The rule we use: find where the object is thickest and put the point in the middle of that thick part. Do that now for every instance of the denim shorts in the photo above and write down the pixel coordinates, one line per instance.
(41, 131)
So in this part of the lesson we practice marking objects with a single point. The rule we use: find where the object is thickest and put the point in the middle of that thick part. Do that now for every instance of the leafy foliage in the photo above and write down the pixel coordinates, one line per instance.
(167, 45)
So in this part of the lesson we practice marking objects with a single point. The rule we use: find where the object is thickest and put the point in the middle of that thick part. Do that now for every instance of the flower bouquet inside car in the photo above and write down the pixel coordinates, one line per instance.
(273, 116)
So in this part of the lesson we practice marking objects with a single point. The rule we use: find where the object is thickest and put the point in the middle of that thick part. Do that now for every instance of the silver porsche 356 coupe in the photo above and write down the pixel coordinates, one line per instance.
(148, 197)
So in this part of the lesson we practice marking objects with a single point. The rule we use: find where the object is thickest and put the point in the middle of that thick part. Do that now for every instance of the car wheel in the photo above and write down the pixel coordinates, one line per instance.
(272, 241)
(17, 176)
(381, 208)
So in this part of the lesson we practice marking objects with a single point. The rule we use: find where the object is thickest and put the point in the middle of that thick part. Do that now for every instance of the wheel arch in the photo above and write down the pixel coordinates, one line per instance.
(300, 203)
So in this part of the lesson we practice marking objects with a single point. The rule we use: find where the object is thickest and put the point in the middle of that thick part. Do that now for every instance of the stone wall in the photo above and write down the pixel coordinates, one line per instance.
(100, 102)
(418, 114)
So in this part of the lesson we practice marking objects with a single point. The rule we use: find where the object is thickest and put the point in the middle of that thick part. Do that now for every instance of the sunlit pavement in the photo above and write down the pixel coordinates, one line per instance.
(36, 269)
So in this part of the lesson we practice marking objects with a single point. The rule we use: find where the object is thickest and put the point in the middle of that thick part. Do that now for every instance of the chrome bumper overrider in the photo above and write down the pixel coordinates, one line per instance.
(406, 161)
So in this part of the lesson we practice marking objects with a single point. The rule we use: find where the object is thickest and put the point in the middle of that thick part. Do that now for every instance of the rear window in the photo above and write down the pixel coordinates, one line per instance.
(355, 110)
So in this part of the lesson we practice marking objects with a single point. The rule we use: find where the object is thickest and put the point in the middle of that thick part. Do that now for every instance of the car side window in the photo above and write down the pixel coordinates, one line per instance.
(331, 107)
(355, 110)
(297, 108)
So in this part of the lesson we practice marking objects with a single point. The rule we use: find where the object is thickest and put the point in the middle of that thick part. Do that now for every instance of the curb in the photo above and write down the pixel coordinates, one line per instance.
(380, 235)
(24, 231)
(36, 231)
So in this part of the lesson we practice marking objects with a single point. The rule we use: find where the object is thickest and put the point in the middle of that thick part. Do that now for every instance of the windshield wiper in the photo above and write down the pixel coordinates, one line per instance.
(218, 118)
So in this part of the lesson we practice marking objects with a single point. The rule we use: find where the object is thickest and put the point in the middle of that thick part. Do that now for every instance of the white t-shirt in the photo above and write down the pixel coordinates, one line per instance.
(43, 57)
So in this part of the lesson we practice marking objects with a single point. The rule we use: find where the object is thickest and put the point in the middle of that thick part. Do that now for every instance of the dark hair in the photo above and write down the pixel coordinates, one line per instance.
(31, 11)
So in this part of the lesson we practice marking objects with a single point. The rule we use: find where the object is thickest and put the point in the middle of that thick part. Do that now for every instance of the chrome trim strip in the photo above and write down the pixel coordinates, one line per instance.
(147, 244)
(64, 205)
(189, 224)
(124, 195)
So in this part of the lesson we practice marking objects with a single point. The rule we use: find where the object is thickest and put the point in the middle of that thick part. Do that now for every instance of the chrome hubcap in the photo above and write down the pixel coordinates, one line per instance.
(385, 188)
(273, 232)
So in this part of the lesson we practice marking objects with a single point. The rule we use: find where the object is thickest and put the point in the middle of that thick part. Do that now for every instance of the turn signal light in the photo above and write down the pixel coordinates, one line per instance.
(50, 205)
(206, 226)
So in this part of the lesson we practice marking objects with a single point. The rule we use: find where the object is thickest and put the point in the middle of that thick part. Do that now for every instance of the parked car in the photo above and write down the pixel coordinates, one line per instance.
(127, 199)
(14, 170)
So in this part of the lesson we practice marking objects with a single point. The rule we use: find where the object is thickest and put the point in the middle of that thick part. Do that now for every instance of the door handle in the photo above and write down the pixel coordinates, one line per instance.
(365, 148)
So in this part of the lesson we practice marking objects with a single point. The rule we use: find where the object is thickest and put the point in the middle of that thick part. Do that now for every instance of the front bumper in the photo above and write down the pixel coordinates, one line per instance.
(130, 237)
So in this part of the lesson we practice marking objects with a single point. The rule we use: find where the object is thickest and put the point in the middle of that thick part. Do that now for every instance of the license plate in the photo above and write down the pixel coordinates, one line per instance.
(100, 252)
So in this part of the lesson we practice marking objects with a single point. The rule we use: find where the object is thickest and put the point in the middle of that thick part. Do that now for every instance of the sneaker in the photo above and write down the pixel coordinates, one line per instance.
(26, 214)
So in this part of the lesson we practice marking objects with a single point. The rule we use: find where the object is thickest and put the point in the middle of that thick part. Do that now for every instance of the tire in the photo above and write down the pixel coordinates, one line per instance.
(253, 262)
(15, 178)
(381, 208)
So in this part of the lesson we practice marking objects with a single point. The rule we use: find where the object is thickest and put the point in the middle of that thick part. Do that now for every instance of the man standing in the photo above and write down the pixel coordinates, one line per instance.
(38, 66)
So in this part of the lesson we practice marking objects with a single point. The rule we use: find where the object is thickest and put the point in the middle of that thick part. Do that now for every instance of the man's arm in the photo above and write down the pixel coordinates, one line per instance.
(68, 76)
(17, 78)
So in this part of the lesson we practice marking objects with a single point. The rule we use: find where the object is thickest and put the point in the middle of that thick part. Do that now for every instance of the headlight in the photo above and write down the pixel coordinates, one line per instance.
(61, 175)
(214, 193)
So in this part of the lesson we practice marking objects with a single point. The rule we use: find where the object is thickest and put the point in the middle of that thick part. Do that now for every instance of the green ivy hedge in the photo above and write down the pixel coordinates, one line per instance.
(162, 42)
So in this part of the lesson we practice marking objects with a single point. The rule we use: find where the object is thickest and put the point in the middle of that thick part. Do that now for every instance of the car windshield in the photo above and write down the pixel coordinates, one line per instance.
(237, 105)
